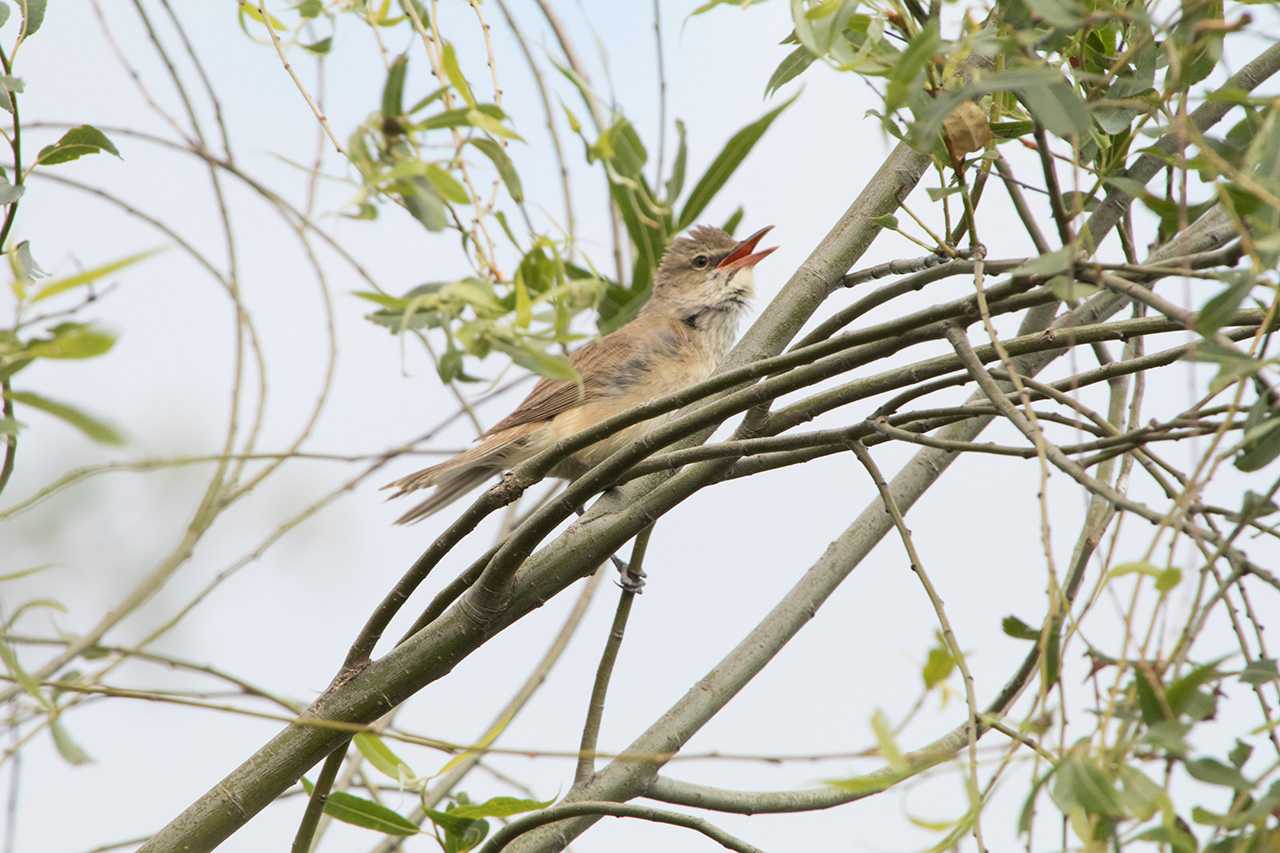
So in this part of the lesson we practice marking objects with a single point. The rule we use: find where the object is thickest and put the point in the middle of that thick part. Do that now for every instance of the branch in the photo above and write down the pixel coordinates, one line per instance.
(604, 672)
(503, 837)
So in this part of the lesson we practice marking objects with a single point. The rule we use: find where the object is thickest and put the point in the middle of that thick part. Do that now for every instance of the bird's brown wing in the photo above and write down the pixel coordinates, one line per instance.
(595, 363)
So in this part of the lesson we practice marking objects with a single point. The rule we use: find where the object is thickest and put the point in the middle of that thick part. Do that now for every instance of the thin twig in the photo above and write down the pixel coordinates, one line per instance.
(604, 671)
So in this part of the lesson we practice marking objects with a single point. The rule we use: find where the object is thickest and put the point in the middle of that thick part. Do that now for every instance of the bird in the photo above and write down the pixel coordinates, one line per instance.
(702, 287)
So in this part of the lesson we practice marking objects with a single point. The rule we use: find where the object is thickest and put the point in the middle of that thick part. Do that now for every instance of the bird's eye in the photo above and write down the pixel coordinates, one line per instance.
(700, 262)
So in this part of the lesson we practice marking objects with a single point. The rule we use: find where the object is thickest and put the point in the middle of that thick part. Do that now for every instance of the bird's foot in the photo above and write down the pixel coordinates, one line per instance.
(630, 580)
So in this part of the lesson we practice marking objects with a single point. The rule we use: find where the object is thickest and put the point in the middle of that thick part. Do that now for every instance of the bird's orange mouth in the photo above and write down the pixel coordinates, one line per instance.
(743, 255)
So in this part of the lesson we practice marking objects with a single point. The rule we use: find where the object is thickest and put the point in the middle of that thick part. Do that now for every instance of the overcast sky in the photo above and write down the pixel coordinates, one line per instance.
(716, 565)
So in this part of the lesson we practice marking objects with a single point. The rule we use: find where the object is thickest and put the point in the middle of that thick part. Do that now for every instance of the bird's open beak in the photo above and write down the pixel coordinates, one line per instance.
(744, 255)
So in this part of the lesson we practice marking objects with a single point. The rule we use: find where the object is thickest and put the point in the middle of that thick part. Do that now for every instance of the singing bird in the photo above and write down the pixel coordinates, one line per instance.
(677, 339)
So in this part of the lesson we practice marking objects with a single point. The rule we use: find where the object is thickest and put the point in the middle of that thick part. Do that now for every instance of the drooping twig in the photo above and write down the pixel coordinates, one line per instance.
(500, 839)
(948, 634)
(604, 671)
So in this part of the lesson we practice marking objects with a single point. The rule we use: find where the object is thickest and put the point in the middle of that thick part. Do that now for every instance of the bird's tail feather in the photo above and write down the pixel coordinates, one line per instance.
(457, 475)
(447, 491)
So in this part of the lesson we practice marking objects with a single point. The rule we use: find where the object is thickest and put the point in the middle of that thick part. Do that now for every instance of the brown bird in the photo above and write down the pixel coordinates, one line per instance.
(676, 340)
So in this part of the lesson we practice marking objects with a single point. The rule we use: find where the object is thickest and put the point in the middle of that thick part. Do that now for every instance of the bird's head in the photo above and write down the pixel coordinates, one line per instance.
(708, 269)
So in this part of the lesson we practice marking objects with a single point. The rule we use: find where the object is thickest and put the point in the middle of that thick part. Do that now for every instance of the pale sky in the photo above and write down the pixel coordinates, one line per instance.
(716, 564)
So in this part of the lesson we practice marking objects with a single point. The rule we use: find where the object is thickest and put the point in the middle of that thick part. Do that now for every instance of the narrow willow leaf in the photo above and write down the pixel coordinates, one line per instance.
(32, 15)
(321, 47)
(71, 340)
(454, 73)
(250, 9)
(1211, 771)
(377, 753)
(1260, 671)
(735, 219)
(675, 183)
(1220, 309)
(447, 185)
(887, 743)
(910, 67)
(1048, 264)
(1019, 630)
(1080, 781)
(393, 89)
(20, 675)
(358, 811)
(725, 164)
(499, 807)
(1058, 107)
(544, 364)
(501, 162)
(791, 67)
(66, 746)
(62, 285)
(76, 143)
(98, 430)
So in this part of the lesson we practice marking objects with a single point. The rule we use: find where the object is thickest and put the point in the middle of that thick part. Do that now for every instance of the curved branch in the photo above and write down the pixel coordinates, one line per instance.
(521, 825)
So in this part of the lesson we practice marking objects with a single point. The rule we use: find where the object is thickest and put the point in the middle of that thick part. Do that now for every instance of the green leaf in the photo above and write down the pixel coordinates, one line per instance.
(393, 89)
(9, 193)
(62, 285)
(1211, 771)
(791, 67)
(1180, 692)
(423, 203)
(1261, 442)
(885, 220)
(499, 807)
(1141, 797)
(1239, 754)
(377, 753)
(460, 834)
(358, 811)
(1168, 579)
(1059, 108)
(76, 143)
(910, 67)
(67, 748)
(458, 117)
(888, 744)
(1070, 289)
(524, 305)
(1048, 264)
(94, 428)
(938, 666)
(735, 219)
(1221, 308)
(501, 162)
(32, 15)
(725, 164)
(454, 73)
(319, 48)
(1056, 12)
(1016, 628)
(71, 340)
(447, 185)
(544, 364)
(1081, 782)
(10, 426)
(20, 675)
(675, 183)
(491, 125)
(1259, 671)
(1148, 691)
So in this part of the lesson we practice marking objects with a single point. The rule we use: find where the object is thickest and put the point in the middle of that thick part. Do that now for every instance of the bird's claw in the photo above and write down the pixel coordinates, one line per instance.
(629, 580)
